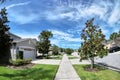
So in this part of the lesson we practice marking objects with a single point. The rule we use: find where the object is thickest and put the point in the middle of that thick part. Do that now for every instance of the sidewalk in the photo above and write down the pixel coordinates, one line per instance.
(66, 71)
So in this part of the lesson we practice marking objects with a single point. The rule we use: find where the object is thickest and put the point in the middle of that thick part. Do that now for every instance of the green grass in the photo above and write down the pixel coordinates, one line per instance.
(57, 57)
(103, 74)
(37, 72)
(72, 57)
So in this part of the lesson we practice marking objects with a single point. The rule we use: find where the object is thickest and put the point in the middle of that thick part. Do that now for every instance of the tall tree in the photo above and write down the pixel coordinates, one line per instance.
(44, 42)
(92, 44)
(62, 49)
(5, 41)
(69, 51)
(55, 50)
(114, 35)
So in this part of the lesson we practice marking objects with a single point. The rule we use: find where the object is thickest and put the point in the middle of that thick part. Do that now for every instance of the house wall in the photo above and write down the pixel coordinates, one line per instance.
(26, 43)
(110, 44)
(28, 48)
(13, 54)
(29, 54)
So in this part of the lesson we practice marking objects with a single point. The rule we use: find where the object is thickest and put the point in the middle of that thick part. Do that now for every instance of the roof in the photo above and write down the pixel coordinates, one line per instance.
(11, 34)
(34, 41)
(116, 41)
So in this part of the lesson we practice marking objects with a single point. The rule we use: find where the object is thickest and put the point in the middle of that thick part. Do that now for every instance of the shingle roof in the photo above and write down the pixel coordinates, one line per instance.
(11, 34)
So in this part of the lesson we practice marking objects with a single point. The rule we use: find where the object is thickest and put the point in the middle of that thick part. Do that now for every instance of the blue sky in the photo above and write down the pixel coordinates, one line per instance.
(64, 18)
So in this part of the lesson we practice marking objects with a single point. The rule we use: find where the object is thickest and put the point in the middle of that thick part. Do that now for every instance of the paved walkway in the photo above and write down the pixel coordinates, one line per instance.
(66, 70)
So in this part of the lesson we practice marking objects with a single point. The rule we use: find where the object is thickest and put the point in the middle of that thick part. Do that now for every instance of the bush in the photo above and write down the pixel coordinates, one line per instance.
(19, 62)
(27, 61)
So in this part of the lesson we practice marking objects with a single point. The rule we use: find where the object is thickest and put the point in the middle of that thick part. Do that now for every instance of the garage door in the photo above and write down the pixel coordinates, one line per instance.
(29, 54)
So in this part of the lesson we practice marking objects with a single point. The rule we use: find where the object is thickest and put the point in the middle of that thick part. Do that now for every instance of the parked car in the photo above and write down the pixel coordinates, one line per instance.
(114, 49)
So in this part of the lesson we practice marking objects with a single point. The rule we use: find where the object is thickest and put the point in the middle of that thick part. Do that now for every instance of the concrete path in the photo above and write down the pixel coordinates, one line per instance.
(66, 70)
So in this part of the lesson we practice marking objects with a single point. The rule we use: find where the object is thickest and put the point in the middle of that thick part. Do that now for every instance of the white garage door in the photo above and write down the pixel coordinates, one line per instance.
(29, 54)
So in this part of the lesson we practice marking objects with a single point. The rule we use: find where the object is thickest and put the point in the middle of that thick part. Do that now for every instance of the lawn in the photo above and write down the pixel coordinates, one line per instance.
(72, 57)
(57, 57)
(103, 74)
(37, 72)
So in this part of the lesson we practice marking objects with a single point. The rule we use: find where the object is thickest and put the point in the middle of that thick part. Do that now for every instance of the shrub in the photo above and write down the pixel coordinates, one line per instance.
(27, 61)
(19, 62)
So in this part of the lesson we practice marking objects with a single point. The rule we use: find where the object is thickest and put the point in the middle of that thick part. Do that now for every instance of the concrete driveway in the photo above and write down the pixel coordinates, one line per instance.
(112, 59)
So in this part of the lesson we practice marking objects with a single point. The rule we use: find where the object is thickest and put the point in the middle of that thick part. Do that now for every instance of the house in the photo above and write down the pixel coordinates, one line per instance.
(23, 48)
(112, 43)
(49, 53)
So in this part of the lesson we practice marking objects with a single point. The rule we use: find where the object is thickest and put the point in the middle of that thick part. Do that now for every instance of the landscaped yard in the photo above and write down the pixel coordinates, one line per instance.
(37, 72)
(57, 57)
(103, 74)
(72, 57)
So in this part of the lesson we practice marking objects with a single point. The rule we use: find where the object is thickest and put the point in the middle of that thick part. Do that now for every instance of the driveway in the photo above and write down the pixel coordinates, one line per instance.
(112, 59)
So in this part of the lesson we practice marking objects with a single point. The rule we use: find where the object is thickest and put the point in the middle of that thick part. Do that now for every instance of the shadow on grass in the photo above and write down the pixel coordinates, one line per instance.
(96, 67)
(102, 74)
(30, 74)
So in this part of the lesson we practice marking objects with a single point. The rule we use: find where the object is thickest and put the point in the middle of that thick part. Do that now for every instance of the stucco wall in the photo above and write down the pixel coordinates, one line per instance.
(26, 43)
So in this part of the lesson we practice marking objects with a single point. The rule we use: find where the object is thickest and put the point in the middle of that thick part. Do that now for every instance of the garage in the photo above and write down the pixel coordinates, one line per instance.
(29, 54)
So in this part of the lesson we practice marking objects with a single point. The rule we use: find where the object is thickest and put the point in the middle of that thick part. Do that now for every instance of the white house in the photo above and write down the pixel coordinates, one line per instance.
(112, 43)
(25, 48)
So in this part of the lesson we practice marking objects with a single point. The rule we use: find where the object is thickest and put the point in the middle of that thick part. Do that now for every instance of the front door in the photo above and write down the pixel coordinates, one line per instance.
(20, 55)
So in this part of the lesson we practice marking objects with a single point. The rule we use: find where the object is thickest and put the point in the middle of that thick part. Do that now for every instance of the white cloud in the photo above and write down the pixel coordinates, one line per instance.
(23, 19)
(33, 36)
(93, 10)
(55, 41)
(101, 9)
(79, 12)
(75, 13)
(20, 17)
(18, 4)
(25, 34)
(59, 35)
(115, 14)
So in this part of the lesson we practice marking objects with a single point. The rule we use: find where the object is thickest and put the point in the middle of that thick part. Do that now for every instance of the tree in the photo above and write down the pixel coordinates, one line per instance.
(5, 40)
(62, 49)
(44, 42)
(92, 42)
(114, 35)
(55, 50)
(69, 51)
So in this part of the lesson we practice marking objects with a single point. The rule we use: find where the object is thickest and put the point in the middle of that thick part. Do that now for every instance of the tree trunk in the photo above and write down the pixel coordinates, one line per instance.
(92, 63)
